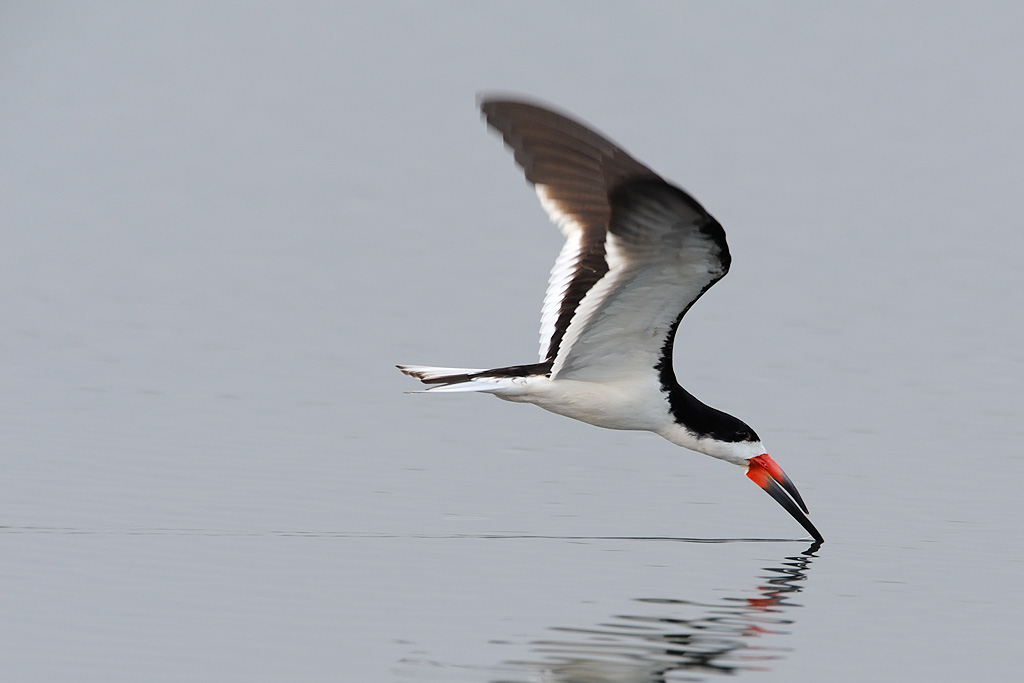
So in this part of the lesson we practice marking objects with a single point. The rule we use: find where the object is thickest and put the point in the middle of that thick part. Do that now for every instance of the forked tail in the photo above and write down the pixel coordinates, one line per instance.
(441, 377)
(464, 379)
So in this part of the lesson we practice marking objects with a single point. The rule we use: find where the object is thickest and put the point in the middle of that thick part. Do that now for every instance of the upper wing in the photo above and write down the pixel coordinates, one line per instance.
(663, 252)
(572, 169)
(638, 253)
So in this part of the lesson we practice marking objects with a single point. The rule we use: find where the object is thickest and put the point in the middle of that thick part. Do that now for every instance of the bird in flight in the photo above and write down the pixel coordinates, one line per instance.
(638, 253)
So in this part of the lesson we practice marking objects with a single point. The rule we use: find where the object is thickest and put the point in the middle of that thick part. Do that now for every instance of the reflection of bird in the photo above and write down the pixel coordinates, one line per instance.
(638, 253)
(674, 639)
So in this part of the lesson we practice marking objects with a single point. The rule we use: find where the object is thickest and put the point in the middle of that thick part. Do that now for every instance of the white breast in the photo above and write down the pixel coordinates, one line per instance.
(633, 403)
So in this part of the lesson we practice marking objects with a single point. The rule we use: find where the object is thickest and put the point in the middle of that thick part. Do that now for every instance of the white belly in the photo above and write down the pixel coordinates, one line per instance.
(626, 404)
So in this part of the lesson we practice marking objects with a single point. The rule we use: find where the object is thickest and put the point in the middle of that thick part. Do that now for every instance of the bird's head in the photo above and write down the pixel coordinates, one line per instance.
(728, 438)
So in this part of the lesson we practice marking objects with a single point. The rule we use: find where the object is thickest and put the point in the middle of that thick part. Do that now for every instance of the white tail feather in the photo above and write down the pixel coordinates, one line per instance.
(488, 384)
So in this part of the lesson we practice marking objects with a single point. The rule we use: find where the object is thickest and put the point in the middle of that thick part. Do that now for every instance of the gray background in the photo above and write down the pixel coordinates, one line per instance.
(222, 224)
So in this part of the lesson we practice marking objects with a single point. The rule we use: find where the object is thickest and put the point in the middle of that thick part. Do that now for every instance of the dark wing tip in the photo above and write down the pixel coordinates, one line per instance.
(553, 147)
(491, 101)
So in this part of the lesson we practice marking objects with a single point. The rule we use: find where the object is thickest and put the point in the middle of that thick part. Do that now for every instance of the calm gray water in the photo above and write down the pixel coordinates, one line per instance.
(222, 227)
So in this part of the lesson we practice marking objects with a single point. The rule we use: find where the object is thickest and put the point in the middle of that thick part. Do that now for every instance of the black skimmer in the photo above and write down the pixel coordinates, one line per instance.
(639, 252)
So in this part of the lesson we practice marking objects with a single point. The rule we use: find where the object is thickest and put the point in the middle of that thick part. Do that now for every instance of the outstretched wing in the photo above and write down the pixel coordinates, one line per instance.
(571, 167)
(638, 253)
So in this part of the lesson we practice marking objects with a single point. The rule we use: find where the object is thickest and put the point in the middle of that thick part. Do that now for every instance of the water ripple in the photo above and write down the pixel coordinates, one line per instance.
(674, 639)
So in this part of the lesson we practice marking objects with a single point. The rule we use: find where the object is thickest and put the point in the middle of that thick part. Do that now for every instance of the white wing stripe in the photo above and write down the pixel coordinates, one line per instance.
(558, 284)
